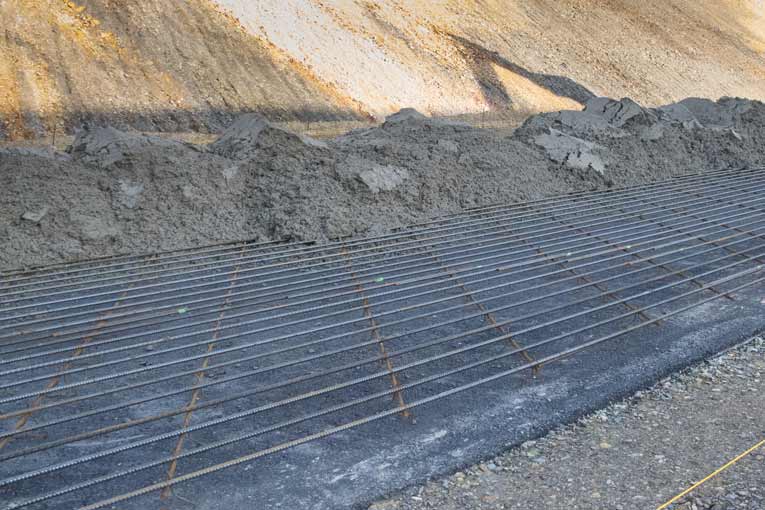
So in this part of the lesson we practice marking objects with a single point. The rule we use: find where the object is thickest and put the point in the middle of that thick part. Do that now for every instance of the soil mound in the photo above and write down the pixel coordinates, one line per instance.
(106, 146)
(251, 132)
(117, 192)
(624, 141)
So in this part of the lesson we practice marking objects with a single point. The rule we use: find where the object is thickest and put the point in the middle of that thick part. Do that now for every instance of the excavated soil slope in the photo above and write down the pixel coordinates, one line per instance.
(154, 65)
(126, 192)
(175, 65)
(452, 57)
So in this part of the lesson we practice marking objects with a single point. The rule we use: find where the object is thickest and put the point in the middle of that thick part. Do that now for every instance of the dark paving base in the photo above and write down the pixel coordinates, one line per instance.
(351, 469)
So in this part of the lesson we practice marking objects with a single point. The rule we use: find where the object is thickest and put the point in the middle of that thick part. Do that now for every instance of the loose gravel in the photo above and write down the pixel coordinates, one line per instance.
(635, 454)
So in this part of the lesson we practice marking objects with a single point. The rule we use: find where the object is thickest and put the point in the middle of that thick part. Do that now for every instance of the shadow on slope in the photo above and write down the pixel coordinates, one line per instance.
(482, 61)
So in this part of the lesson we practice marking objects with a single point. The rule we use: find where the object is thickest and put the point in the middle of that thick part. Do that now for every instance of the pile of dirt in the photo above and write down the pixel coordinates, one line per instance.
(116, 192)
(627, 143)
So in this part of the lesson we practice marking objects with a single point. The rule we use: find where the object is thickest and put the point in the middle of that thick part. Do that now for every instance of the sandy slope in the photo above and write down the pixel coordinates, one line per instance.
(150, 64)
(454, 56)
(187, 65)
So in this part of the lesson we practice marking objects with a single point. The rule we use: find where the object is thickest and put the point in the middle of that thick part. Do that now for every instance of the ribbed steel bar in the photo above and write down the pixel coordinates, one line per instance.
(497, 325)
(649, 186)
(738, 204)
(318, 342)
(187, 346)
(321, 291)
(86, 312)
(144, 369)
(472, 300)
(567, 352)
(29, 275)
(599, 286)
(452, 308)
(662, 222)
(35, 405)
(165, 330)
(666, 225)
(386, 372)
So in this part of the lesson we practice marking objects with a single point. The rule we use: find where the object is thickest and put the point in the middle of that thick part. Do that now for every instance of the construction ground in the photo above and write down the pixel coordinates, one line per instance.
(384, 255)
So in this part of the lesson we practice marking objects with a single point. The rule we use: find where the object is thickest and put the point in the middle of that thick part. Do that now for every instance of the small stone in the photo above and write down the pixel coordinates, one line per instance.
(35, 216)
(385, 505)
(448, 146)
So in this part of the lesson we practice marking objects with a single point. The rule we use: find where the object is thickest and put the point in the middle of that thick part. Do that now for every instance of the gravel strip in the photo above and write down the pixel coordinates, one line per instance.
(635, 454)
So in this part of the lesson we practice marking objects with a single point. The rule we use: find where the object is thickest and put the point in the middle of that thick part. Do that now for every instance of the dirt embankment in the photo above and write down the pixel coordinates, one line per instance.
(456, 56)
(126, 192)
(157, 65)
(192, 65)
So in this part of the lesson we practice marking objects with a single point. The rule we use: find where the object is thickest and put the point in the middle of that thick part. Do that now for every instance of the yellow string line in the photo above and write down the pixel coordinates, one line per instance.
(715, 473)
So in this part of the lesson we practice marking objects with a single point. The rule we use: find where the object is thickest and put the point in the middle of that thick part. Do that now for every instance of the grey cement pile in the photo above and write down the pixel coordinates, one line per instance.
(115, 192)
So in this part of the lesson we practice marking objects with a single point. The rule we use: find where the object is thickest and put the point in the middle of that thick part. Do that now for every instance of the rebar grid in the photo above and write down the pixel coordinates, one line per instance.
(166, 355)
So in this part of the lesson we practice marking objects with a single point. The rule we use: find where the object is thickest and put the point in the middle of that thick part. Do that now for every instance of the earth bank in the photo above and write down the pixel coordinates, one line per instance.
(117, 192)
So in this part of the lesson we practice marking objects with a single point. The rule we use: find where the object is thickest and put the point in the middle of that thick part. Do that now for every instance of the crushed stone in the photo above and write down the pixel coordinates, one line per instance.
(633, 455)
(118, 192)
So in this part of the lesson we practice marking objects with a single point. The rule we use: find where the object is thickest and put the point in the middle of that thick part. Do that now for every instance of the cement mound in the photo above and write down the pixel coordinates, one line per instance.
(405, 115)
(119, 192)
(620, 113)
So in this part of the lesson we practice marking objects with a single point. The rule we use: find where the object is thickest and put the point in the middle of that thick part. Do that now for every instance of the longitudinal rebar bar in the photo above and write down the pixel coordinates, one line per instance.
(184, 307)
(345, 349)
(313, 358)
(368, 419)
